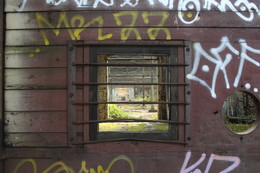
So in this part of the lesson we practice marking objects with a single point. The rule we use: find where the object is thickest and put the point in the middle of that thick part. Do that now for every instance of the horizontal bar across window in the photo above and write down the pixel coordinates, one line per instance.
(170, 84)
(155, 43)
(134, 65)
(130, 120)
(96, 103)
(130, 139)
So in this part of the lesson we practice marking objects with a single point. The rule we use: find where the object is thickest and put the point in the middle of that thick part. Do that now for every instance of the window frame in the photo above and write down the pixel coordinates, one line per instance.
(182, 133)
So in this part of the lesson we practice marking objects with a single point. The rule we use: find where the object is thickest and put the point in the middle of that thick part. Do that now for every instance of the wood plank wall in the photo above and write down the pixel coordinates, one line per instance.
(35, 96)
(35, 90)
(36, 53)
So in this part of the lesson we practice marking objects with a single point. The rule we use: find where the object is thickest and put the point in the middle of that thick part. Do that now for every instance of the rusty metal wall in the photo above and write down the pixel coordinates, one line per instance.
(225, 54)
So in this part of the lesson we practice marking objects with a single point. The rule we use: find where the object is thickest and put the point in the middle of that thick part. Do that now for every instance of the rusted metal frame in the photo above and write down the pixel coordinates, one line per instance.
(188, 60)
(71, 93)
(147, 59)
(149, 43)
(91, 83)
(79, 57)
(173, 94)
(86, 72)
(146, 43)
(2, 41)
(181, 95)
(130, 120)
(95, 103)
(143, 43)
(131, 139)
(130, 65)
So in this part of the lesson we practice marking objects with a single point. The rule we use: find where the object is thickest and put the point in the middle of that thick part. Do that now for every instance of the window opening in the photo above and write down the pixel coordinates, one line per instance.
(240, 112)
(139, 93)
(136, 96)
(128, 93)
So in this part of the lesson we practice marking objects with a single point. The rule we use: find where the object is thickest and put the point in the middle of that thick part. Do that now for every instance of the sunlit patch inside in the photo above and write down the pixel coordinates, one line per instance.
(132, 93)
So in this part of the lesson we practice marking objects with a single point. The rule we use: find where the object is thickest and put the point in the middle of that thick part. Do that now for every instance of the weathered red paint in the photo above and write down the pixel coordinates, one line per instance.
(37, 129)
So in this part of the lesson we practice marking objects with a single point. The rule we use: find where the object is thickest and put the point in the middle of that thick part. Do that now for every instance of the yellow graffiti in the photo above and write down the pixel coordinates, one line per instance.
(77, 24)
(60, 166)
(82, 27)
(37, 50)
(189, 15)
(125, 32)
(62, 20)
(100, 169)
(153, 32)
(74, 34)
(21, 163)
(80, 19)
(121, 157)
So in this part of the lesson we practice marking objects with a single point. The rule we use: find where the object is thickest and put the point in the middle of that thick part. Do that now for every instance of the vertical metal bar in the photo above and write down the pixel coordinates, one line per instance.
(188, 60)
(181, 94)
(79, 58)
(86, 94)
(71, 92)
(174, 94)
(93, 109)
(2, 29)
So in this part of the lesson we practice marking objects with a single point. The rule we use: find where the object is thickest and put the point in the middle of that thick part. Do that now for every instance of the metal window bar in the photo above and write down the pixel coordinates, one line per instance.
(167, 84)
(185, 65)
(187, 117)
(175, 43)
(131, 121)
(72, 112)
(96, 103)
(131, 139)
(134, 65)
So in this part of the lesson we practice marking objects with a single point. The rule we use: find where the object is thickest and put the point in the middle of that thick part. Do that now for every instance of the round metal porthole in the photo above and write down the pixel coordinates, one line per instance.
(240, 112)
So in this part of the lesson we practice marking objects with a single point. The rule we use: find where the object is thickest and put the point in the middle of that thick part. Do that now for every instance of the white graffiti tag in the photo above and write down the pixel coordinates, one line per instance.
(167, 3)
(128, 2)
(221, 62)
(188, 5)
(238, 7)
(55, 2)
(242, 8)
(213, 157)
(81, 3)
(108, 4)
(21, 8)
(244, 57)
